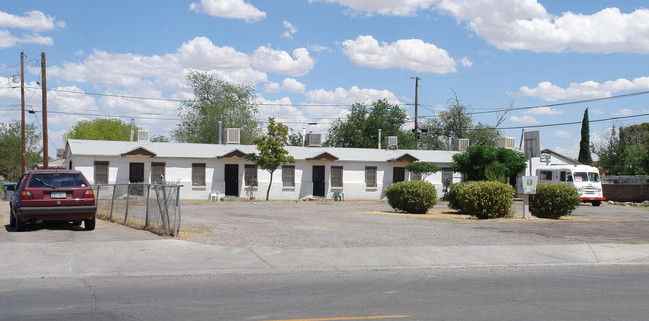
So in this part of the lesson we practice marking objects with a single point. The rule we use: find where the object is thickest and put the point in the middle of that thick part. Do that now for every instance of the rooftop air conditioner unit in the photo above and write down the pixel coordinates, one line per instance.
(142, 135)
(313, 140)
(232, 135)
(391, 142)
(507, 142)
(460, 144)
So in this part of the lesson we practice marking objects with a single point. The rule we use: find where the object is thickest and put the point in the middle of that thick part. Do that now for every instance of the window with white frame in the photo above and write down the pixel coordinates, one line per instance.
(101, 173)
(250, 175)
(288, 175)
(370, 176)
(198, 174)
(336, 176)
(157, 173)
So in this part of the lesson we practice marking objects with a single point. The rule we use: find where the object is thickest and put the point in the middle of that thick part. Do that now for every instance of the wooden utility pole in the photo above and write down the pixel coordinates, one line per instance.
(22, 104)
(45, 139)
(416, 101)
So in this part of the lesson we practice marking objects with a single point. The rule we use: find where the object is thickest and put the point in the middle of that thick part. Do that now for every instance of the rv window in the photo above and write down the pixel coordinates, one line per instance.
(593, 177)
(569, 177)
(546, 175)
(562, 176)
(581, 177)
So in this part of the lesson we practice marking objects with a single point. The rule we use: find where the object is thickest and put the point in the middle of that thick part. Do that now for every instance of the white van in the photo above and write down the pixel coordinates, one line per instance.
(585, 178)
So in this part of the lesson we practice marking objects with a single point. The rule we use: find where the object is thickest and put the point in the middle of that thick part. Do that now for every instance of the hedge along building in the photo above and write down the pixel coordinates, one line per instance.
(204, 169)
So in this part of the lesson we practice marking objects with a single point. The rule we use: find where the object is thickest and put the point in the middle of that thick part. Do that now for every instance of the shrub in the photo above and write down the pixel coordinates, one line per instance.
(554, 200)
(486, 199)
(411, 196)
(453, 196)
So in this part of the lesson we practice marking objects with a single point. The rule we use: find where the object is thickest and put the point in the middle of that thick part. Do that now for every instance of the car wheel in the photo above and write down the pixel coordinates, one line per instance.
(12, 218)
(89, 225)
(597, 203)
(20, 225)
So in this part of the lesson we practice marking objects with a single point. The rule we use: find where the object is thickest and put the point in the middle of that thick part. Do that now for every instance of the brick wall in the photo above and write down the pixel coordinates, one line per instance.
(626, 192)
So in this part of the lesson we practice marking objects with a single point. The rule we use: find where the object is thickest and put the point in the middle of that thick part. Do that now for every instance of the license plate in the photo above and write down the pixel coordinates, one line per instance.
(58, 195)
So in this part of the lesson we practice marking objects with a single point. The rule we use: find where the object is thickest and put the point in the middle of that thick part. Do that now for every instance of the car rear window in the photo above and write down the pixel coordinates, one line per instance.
(56, 180)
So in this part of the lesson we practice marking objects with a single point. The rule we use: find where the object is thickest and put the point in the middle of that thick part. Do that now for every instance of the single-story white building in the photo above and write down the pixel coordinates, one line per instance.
(205, 169)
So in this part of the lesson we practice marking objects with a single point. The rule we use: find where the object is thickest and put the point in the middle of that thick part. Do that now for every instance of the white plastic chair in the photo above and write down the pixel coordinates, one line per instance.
(215, 196)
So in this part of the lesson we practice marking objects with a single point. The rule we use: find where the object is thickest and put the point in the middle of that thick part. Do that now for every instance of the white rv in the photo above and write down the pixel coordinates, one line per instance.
(585, 178)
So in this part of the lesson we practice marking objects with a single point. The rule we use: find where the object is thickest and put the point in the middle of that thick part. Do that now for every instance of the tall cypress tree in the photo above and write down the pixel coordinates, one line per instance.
(584, 145)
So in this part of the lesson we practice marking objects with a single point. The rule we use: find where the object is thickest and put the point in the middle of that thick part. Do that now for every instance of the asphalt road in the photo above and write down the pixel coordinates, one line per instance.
(331, 261)
(534, 293)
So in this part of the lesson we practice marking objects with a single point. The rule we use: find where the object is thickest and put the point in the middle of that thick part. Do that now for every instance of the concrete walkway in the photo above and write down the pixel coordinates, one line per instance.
(176, 257)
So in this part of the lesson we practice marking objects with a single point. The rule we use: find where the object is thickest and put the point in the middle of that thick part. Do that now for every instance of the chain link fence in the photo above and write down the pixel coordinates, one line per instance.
(151, 207)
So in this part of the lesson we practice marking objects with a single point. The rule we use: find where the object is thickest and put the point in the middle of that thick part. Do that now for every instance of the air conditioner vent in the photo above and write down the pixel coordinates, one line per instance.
(460, 144)
(232, 135)
(142, 135)
(391, 142)
(313, 140)
(507, 142)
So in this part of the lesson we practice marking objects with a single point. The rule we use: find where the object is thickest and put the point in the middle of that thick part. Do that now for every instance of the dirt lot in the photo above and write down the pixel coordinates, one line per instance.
(372, 224)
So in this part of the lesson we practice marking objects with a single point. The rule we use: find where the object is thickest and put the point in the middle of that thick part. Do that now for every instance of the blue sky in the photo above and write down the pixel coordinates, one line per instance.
(309, 60)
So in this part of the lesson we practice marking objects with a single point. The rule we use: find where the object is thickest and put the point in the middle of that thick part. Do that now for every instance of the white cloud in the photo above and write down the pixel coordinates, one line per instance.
(271, 87)
(276, 61)
(351, 96)
(589, 89)
(525, 119)
(625, 112)
(562, 134)
(384, 7)
(526, 25)
(34, 22)
(202, 54)
(319, 48)
(411, 54)
(290, 30)
(466, 62)
(544, 111)
(237, 9)
(293, 86)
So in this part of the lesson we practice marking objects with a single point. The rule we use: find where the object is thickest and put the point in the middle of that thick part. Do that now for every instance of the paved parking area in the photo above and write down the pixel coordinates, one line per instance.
(375, 224)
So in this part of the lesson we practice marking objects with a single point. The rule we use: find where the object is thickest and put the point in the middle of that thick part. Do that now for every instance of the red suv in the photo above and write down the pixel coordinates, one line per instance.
(53, 195)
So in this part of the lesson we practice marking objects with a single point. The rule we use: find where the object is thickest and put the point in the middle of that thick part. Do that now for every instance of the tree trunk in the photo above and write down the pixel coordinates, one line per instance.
(269, 184)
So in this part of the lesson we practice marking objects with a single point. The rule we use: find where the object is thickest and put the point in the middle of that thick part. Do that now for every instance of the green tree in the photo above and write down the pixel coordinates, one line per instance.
(423, 169)
(625, 151)
(100, 129)
(360, 128)
(294, 139)
(11, 149)
(476, 161)
(216, 100)
(584, 144)
(160, 138)
(271, 150)
(455, 122)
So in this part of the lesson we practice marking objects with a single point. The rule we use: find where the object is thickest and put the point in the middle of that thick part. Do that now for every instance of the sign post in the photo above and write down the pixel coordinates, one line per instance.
(529, 188)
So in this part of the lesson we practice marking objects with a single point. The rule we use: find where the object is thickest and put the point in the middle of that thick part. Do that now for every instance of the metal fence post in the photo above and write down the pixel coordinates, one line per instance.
(177, 212)
(112, 203)
(146, 211)
(128, 197)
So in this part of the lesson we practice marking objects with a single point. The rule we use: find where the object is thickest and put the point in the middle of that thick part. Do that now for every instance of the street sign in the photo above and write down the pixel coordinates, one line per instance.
(532, 144)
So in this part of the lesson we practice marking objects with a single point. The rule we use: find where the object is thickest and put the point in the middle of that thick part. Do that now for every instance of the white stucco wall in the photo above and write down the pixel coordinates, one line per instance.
(179, 171)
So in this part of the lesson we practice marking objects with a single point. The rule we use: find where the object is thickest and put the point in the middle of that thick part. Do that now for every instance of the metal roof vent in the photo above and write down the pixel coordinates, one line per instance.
(232, 135)
(313, 140)
(460, 144)
(391, 142)
(142, 135)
